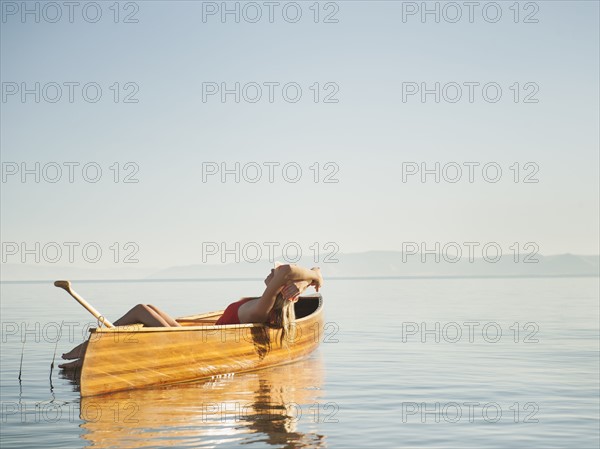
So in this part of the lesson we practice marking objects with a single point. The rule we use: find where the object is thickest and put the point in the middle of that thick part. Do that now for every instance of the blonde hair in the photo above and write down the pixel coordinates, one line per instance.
(283, 316)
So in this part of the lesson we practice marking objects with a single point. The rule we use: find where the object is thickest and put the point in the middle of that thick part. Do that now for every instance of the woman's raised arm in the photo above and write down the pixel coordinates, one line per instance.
(258, 311)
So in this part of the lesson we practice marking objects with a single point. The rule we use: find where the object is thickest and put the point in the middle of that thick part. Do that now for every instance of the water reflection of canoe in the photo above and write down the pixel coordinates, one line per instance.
(281, 406)
(129, 357)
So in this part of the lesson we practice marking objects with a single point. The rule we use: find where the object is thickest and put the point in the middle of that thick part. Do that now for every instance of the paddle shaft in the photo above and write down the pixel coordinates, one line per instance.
(66, 285)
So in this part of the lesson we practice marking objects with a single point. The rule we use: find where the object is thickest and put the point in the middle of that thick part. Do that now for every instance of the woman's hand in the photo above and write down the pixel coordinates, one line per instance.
(295, 280)
(318, 281)
(292, 291)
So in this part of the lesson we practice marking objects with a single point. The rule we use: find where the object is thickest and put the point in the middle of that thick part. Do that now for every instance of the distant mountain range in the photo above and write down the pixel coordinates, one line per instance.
(390, 263)
(368, 264)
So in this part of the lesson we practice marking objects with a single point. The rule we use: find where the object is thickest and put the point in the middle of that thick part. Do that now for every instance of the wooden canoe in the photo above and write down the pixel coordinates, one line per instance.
(130, 357)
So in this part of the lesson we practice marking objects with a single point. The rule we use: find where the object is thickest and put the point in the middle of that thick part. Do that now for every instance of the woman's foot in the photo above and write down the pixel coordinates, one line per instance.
(72, 365)
(77, 352)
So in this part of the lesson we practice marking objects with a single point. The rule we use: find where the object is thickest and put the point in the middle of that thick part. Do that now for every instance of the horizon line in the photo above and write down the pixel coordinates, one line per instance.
(333, 278)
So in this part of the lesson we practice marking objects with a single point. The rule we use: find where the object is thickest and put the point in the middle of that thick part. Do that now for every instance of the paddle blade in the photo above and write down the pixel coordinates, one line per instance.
(63, 284)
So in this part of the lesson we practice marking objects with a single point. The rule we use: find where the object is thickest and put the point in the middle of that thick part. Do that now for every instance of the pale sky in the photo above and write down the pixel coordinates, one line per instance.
(366, 135)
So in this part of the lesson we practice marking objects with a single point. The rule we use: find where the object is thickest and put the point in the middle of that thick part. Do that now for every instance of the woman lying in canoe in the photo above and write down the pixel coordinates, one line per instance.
(284, 284)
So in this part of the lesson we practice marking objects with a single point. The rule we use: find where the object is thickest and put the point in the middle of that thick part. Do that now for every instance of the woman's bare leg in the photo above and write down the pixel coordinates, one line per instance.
(146, 315)
(142, 314)
(165, 316)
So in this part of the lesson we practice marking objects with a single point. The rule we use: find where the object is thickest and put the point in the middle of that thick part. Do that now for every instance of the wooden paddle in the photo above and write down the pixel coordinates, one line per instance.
(66, 285)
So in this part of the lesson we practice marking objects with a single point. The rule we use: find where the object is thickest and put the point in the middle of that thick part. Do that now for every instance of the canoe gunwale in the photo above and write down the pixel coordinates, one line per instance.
(138, 328)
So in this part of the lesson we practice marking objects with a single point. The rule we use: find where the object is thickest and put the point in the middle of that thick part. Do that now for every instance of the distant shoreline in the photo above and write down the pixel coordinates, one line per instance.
(329, 278)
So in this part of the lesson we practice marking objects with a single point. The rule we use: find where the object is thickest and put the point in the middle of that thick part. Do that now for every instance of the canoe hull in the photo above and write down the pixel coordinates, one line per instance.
(131, 357)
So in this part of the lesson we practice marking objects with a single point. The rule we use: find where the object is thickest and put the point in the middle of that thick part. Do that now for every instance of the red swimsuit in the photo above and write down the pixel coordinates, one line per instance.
(230, 315)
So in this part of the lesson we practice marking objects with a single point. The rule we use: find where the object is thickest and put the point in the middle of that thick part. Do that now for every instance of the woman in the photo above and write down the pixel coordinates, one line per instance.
(284, 284)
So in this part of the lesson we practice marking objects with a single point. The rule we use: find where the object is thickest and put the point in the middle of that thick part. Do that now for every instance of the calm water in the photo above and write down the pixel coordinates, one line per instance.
(403, 363)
